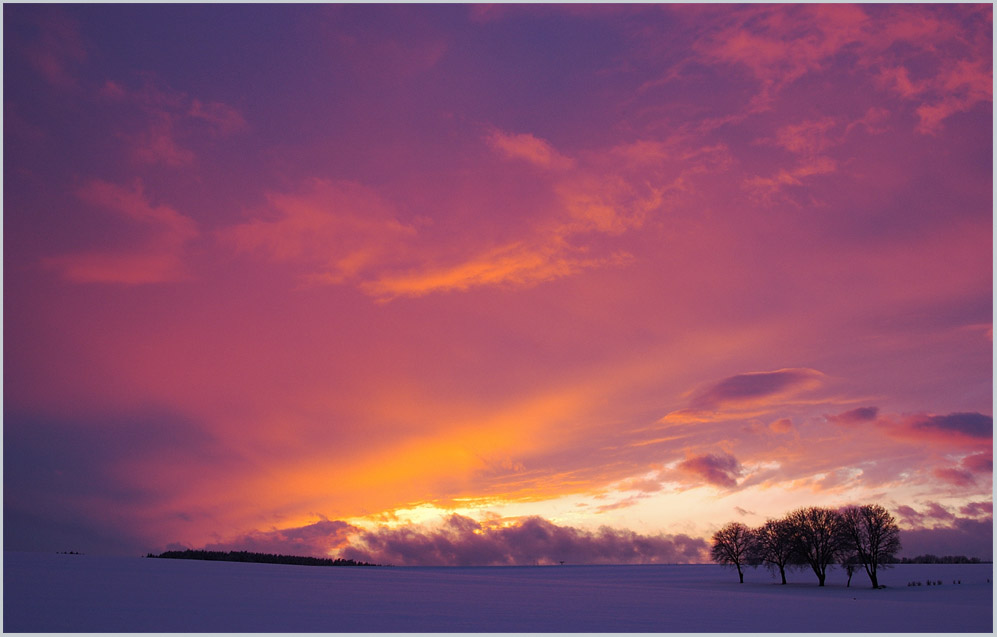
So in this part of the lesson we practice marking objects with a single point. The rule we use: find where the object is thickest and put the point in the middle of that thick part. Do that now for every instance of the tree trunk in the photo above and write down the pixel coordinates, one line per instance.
(740, 574)
(782, 571)
(875, 580)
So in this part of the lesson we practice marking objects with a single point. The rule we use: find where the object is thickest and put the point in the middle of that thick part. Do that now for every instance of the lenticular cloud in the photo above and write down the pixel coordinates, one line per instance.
(461, 541)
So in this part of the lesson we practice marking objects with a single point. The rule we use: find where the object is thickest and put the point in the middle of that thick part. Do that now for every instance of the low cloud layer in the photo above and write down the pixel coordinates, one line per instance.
(461, 541)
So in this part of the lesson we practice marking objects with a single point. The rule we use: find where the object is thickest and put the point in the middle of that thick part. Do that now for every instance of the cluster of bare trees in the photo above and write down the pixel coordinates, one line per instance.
(816, 537)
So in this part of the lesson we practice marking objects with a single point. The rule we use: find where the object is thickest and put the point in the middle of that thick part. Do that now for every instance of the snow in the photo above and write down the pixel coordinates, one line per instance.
(82, 593)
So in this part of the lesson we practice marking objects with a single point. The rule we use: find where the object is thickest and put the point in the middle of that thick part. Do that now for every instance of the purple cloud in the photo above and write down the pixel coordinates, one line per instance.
(938, 512)
(970, 424)
(318, 540)
(461, 541)
(722, 470)
(977, 509)
(964, 536)
(909, 515)
(748, 387)
(855, 416)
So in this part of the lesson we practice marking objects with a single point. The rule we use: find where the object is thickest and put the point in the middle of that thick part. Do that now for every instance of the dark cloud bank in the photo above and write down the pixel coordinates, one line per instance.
(461, 541)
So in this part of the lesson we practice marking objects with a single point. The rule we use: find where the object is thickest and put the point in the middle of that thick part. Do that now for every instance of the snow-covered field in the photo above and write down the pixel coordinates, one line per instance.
(81, 593)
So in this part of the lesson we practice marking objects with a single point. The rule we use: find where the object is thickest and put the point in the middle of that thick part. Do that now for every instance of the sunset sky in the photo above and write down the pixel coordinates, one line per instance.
(494, 284)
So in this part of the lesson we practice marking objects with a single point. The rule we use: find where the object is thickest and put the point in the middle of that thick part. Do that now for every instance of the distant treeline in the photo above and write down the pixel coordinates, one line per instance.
(944, 559)
(263, 558)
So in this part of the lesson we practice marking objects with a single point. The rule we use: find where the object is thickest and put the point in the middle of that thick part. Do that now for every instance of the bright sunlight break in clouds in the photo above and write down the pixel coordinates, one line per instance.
(457, 284)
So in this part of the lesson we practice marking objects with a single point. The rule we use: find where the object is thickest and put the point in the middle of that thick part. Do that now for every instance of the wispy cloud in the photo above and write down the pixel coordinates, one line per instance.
(340, 229)
(159, 259)
(528, 148)
(58, 49)
(162, 124)
(747, 394)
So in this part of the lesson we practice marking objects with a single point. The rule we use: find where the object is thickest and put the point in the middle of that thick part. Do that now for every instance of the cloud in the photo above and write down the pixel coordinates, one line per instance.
(809, 137)
(809, 167)
(720, 470)
(855, 416)
(58, 48)
(958, 86)
(910, 515)
(342, 228)
(222, 118)
(982, 462)
(977, 509)
(320, 539)
(747, 395)
(778, 46)
(957, 477)
(159, 259)
(973, 425)
(461, 541)
(528, 148)
(754, 387)
(169, 121)
(962, 536)
(158, 145)
(519, 264)
(939, 61)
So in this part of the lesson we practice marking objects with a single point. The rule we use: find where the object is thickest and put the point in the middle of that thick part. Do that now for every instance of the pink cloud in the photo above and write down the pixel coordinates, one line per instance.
(957, 477)
(343, 229)
(169, 122)
(528, 148)
(780, 45)
(158, 259)
(158, 144)
(982, 462)
(809, 137)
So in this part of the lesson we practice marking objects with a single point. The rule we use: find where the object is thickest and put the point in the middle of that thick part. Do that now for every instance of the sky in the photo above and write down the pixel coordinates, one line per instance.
(494, 284)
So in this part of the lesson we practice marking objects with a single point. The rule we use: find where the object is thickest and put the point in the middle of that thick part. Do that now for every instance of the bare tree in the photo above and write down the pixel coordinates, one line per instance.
(817, 537)
(731, 546)
(773, 545)
(872, 533)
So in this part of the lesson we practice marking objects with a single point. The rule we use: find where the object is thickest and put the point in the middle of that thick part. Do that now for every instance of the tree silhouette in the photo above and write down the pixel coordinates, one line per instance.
(731, 546)
(872, 533)
(773, 545)
(818, 537)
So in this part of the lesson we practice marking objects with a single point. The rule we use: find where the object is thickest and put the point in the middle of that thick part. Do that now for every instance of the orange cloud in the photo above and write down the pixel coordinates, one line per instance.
(517, 264)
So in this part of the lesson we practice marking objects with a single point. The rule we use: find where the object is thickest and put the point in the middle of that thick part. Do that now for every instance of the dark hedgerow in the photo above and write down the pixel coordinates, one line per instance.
(261, 558)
